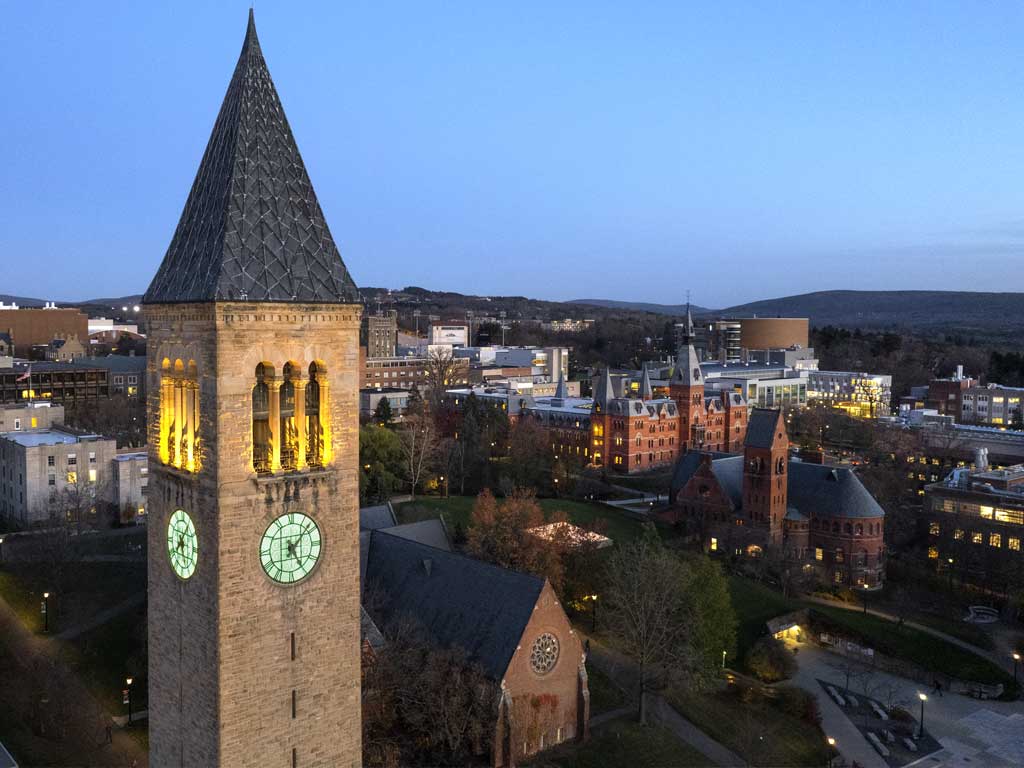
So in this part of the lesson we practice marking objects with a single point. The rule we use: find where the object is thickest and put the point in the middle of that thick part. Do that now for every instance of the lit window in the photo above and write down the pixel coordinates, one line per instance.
(933, 529)
(958, 533)
(995, 540)
(92, 475)
(714, 544)
(1013, 543)
(72, 477)
(933, 553)
(986, 512)
(975, 538)
(819, 554)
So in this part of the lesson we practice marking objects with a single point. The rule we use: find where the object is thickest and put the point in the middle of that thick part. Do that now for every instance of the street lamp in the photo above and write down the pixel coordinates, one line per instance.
(46, 611)
(1, 549)
(723, 659)
(920, 727)
(128, 697)
(593, 615)
(1016, 660)
(831, 750)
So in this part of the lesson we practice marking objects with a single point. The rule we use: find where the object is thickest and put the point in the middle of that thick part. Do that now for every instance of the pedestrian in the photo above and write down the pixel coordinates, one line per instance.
(586, 647)
(110, 734)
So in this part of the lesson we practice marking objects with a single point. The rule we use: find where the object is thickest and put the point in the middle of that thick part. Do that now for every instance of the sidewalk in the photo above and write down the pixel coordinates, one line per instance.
(103, 617)
(623, 673)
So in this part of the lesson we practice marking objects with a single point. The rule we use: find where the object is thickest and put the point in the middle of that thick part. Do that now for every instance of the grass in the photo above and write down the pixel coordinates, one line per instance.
(755, 730)
(625, 742)
(605, 695)
(457, 510)
(106, 655)
(654, 482)
(756, 603)
(913, 645)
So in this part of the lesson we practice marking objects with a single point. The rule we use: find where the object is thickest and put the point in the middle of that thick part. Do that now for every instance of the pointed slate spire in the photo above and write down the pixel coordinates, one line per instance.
(688, 333)
(561, 391)
(252, 228)
(687, 372)
(646, 390)
(604, 391)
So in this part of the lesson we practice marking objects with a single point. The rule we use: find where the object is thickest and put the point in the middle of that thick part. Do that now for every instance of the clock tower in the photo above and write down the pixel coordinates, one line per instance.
(253, 325)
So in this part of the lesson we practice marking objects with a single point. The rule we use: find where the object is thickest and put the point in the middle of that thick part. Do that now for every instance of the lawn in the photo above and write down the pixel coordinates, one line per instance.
(625, 743)
(457, 510)
(756, 729)
(653, 482)
(932, 653)
(756, 603)
(77, 592)
(604, 694)
(105, 656)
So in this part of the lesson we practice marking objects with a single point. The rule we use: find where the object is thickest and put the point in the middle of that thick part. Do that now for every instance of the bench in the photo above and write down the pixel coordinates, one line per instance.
(853, 700)
(879, 711)
(909, 744)
(877, 744)
(889, 736)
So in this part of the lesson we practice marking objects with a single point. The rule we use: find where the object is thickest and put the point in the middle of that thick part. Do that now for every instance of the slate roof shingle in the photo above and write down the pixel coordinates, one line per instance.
(252, 228)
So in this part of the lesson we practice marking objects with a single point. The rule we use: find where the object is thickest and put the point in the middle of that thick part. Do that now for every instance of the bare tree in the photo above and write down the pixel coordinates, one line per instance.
(440, 372)
(649, 612)
(418, 439)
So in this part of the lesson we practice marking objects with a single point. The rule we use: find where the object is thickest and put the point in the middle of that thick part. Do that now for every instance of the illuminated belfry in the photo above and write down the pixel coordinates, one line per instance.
(253, 414)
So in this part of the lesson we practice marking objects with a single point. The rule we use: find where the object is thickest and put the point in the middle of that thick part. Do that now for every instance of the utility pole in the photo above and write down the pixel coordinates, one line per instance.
(502, 315)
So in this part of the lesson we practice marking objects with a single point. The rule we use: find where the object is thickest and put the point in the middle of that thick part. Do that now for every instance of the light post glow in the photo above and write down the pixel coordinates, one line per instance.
(831, 749)
(723, 659)
(1016, 655)
(128, 681)
(920, 727)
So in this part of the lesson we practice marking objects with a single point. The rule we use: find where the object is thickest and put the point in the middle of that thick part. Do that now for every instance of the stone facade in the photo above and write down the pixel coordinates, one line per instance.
(538, 711)
(244, 671)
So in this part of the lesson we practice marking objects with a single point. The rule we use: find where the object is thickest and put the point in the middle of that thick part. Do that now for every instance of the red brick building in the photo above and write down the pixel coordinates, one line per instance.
(818, 518)
(630, 434)
(510, 623)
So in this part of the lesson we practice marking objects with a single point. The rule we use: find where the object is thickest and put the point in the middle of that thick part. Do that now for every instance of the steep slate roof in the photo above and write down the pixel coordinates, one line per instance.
(430, 532)
(379, 516)
(605, 390)
(252, 228)
(761, 428)
(646, 390)
(812, 489)
(688, 370)
(460, 601)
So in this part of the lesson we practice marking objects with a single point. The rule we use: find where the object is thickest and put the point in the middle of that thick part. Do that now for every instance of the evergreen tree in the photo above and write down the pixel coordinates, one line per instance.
(383, 415)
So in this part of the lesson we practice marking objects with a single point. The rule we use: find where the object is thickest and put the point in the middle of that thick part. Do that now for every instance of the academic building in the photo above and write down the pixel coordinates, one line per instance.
(817, 518)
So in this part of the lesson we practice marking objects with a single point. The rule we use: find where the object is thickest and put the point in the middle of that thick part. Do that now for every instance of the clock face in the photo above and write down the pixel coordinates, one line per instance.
(290, 548)
(182, 545)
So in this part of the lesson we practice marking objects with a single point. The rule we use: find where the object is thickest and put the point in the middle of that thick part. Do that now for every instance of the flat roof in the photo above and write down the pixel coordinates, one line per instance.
(42, 437)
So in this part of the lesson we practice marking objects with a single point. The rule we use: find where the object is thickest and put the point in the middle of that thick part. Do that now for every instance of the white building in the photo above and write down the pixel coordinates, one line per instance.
(451, 334)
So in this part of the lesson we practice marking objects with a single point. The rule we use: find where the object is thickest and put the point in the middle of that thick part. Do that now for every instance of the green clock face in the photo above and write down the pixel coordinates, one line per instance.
(182, 545)
(290, 548)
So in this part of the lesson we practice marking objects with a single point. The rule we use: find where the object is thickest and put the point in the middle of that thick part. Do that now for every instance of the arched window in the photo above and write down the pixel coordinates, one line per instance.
(179, 414)
(316, 416)
(262, 449)
(835, 527)
(848, 529)
(859, 530)
(289, 431)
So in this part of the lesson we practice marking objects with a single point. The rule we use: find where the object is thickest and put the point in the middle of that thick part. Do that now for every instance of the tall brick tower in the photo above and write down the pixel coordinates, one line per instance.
(687, 389)
(253, 326)
(765, 459)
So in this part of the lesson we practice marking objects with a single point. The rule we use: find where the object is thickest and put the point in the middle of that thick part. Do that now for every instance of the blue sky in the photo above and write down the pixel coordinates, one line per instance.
(557, 150)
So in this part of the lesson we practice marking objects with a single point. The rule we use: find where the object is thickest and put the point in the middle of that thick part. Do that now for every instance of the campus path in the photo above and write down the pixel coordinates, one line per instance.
(84, 744)
(1004, 662)
(623, 673)
(971, 731)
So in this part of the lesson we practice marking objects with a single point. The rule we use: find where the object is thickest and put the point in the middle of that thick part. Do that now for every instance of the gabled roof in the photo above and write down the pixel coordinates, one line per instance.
(379, 516)
(252, 228)
(816, 490)
(461, 602)
(761, 428)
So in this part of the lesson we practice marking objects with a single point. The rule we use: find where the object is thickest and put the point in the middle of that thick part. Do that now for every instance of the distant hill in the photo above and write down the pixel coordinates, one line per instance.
(21, 301)
(641, 306)
(909, 310)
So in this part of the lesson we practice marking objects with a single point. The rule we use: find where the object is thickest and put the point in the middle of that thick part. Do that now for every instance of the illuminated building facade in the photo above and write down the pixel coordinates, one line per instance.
(818, 519)
(859, 395)
(252, 410)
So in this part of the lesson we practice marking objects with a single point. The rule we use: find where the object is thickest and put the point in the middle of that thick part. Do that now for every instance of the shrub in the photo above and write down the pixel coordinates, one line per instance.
(798, 703)
(769, 661)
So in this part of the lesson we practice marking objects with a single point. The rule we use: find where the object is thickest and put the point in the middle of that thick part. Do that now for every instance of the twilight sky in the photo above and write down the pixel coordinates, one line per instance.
(592, 149)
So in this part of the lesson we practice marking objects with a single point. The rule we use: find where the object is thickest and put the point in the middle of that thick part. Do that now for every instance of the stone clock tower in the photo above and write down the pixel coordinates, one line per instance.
(253, 327)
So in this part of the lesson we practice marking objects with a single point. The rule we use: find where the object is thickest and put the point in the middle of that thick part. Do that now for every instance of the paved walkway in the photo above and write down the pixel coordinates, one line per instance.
(972, 732)
(623, 672)
(1002, 661)
(101, 618)
(82, 739)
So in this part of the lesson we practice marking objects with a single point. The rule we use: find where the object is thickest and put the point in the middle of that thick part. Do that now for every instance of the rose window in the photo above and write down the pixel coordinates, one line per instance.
(544, 654)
